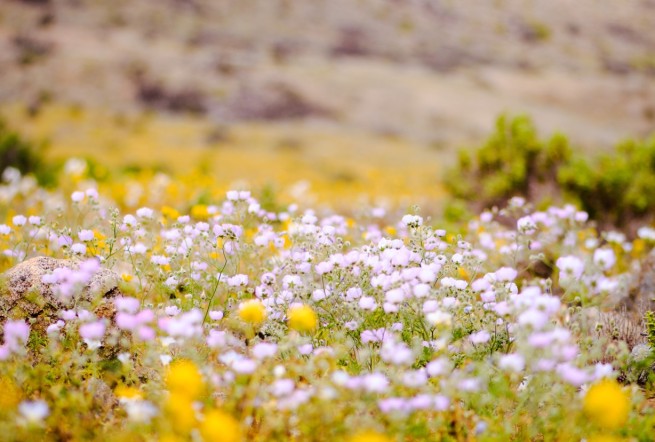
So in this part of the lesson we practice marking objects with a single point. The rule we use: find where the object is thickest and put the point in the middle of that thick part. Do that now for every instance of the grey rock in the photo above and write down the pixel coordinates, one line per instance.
(24, 295)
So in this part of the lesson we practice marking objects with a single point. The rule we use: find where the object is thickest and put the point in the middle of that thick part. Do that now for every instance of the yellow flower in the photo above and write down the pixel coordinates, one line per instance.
(10, 394)
(127, 277)
(170, 438)
(252, 312)
(184, 379)
(179, 409)
(199, 211)
(607, 404)
(302, 318)
(170, 212)
(369, 436)
(219, 426)
(125, 392)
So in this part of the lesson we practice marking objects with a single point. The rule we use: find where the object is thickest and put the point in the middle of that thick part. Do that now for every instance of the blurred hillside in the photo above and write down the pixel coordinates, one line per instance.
(425, 76)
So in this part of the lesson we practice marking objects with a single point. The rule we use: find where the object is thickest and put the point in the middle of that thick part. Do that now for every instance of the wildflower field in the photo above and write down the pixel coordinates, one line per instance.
(234, 320)
(296, 221)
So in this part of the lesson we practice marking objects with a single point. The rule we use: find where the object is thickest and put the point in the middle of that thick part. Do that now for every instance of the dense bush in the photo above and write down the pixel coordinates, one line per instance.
(616, 188)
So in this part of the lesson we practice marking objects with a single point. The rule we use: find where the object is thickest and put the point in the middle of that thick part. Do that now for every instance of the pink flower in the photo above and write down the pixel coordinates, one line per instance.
(127, 304)
(125, 321)
(16, 335)
(93, 330)
(146, 333)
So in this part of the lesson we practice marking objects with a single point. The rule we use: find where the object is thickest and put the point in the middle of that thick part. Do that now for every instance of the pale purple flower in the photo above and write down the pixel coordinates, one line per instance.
(146, 333)
(16, 335)
(77, 196)
(506, 274)
(217, 338)
(604, 258)
(282, 387)
(570, 267)
(86, 235)
(93, 331)
(34, 412)
(469, 385)
(572, 375)
(130, 220)
(512, 362)
(216, 315)
(393, 404)
(244, 366)
(264, 350)
(415, 378)
(126, 321)
(479, 337)
(144, 212)
(438, 367)
(375, 383)
(367, 303)
(127, 304)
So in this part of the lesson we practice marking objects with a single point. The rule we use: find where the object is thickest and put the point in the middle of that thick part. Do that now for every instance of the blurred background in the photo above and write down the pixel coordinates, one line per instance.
(330, 98)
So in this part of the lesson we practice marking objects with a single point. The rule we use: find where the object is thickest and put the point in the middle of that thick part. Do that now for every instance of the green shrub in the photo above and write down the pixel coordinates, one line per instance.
(23, 155)
(513, 162)
(616, 188)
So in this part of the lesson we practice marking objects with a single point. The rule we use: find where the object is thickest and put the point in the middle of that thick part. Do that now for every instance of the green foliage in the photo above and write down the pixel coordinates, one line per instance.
(23, 155)
(615, 188)
(509, 163)
(649, 319)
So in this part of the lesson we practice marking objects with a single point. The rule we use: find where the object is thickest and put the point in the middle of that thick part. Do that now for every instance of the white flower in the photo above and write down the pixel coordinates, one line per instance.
(86, 235)
(19, 220)
(144, 212)
(412, 220)
(479, 337)
(34, 412)
(570, 267)
(439, 318)
(77, 196)
(506, 274)
(282, 387)
(78, 248)
(264, 350)
(604, 258)
(129, 220)
(526, 225)
(367, 303)
(375, 383)
(512, 362)
(140, 410)
(647, 233)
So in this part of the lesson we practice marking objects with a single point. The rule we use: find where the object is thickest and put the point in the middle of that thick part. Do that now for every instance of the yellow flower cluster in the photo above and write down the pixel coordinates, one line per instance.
(185, 385)
(252, 311)
(369, 436)
(218, 426)
(302, 318)
(607, 404)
